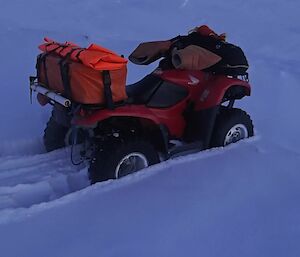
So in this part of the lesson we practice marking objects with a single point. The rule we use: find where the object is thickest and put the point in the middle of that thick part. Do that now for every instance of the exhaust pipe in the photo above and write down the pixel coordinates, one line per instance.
(53, 96)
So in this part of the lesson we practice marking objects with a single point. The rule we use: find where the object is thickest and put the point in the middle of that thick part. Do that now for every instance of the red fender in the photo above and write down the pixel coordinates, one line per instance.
(215, 90)
(172, 117)
(91, 118)
(206, 90)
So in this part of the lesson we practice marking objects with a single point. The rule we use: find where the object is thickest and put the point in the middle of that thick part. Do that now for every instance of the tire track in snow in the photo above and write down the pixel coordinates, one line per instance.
(25, 200)
(41, 181)
(35, 179)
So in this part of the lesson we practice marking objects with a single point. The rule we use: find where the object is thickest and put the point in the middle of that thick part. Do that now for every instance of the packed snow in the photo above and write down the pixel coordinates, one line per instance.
(241, 200)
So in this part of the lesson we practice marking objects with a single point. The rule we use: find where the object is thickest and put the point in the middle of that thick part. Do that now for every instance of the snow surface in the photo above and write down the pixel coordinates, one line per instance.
(242, 200)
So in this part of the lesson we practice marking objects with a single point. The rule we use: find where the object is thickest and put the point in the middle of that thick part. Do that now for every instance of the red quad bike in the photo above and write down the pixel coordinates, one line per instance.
(168, 113)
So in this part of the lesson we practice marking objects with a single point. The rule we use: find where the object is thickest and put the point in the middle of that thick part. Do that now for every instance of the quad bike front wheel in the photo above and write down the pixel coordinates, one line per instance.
(231, 126)
(118, 159)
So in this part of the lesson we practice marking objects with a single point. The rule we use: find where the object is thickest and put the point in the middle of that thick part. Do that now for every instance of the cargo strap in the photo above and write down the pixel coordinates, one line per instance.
(41, 59)
(38, 65)
(107, 90)
(78, 55)
(64, 70)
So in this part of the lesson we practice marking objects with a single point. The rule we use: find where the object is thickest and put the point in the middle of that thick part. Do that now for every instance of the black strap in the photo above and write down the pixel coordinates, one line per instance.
(43, 59)
(63, 47)
(64, 70)
(78, 55)
(107, 90)
(53, 50)
(38, 65)
(72, 51)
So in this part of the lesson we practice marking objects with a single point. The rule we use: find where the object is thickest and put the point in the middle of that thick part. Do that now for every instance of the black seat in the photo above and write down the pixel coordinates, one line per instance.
(142, 91)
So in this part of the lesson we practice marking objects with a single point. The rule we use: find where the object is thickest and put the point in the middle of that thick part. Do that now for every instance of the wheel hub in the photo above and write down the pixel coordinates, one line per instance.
(131, 163)
(235, 134)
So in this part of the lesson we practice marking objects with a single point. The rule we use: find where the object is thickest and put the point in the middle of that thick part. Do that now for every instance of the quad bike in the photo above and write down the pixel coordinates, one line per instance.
(168, 113)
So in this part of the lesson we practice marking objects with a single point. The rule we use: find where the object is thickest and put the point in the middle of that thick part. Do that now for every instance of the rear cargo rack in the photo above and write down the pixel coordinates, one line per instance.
(50, 94)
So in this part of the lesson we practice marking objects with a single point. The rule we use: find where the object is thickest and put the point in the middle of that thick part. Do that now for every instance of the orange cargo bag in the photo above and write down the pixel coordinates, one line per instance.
(90, 76)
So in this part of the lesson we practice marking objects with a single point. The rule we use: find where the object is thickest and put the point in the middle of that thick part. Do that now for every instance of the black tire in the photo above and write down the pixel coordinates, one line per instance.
(231, 126)
(54, 134)
(106, 161)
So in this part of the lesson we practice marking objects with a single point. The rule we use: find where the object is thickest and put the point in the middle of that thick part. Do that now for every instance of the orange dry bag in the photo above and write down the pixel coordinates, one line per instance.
(91, 76)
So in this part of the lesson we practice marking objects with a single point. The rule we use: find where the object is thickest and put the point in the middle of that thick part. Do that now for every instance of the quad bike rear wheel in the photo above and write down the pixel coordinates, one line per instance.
(232, 125)
(118, 159)
(55, 132)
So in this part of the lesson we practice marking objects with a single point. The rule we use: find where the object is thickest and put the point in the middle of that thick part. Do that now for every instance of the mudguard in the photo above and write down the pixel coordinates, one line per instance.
(220, 89)
(171, 118)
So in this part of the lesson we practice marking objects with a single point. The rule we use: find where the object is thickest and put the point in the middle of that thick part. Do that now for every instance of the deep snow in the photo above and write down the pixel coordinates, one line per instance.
(238, 201)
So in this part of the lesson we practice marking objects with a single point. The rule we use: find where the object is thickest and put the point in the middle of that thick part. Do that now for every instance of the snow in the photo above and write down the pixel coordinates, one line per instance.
(165, 211)
(242, 200)
(41, 178)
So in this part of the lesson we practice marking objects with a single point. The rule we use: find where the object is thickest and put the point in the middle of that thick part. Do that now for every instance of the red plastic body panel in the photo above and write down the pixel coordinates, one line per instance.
(204, 89)
(171, 117)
